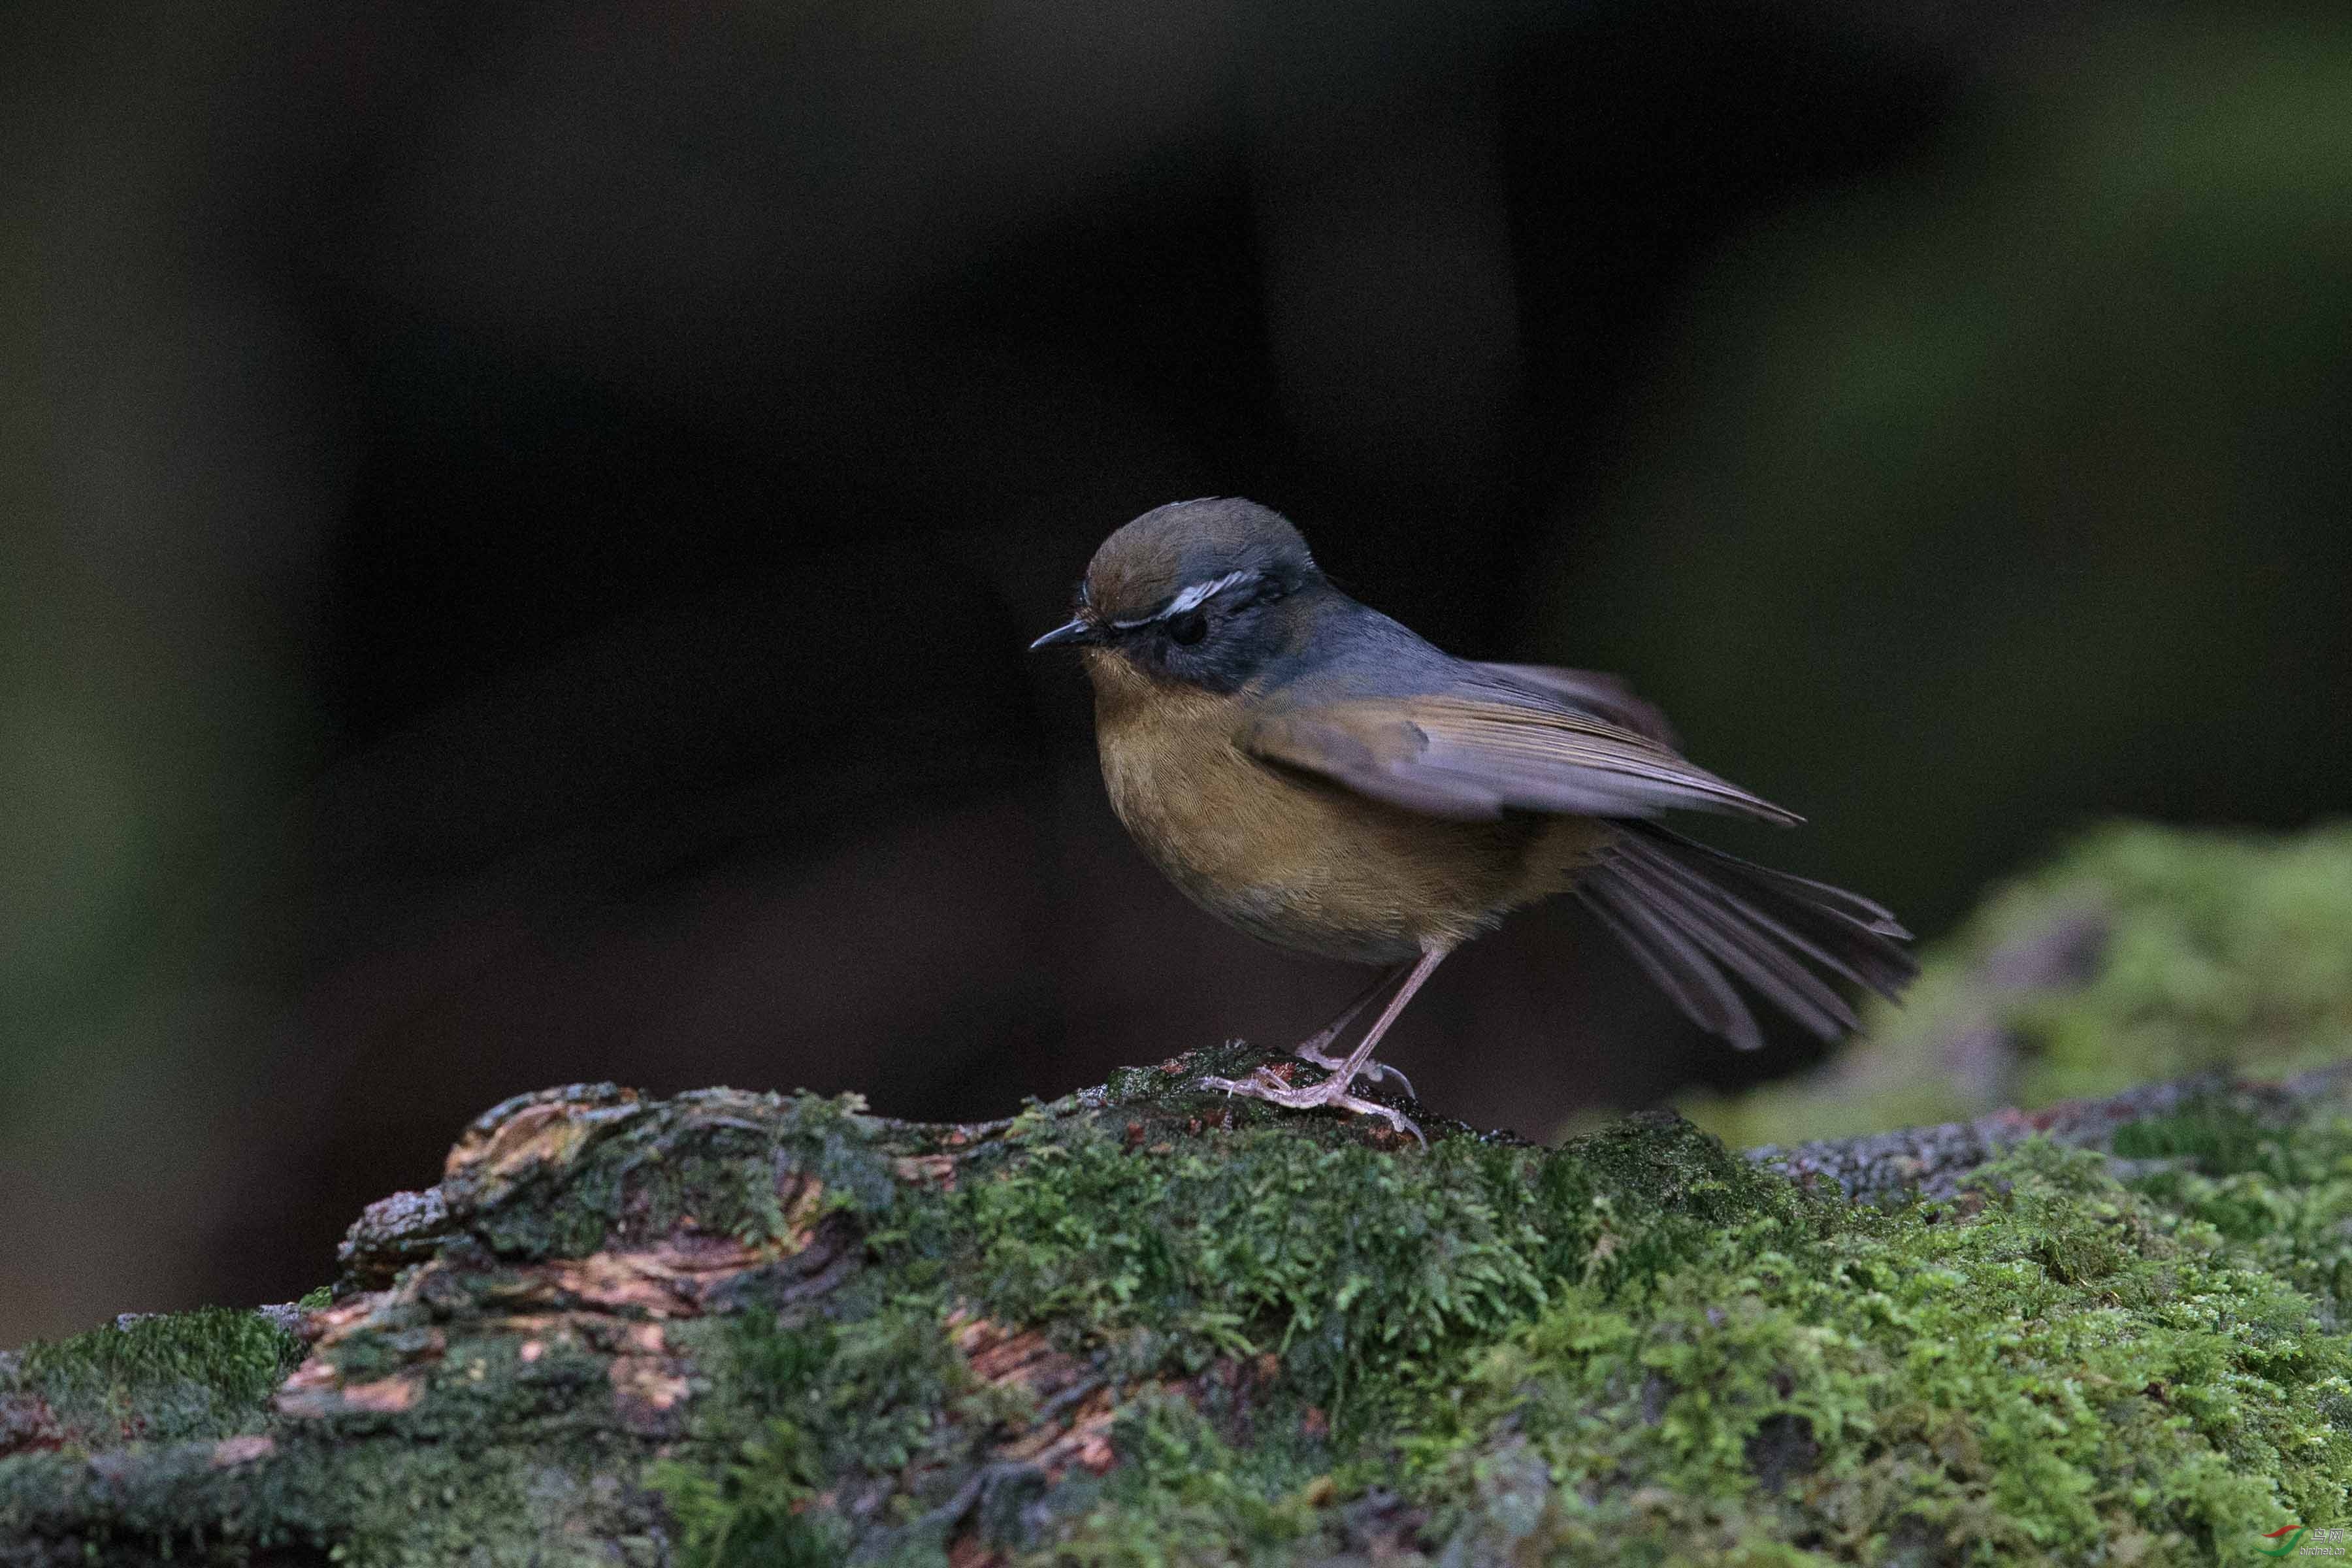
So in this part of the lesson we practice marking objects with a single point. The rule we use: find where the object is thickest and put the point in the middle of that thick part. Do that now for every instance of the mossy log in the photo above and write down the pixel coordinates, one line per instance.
(1142, 1325)
(1146, 1325)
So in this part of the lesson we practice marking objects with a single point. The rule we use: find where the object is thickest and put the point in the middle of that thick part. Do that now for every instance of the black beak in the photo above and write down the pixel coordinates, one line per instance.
(1078, 630)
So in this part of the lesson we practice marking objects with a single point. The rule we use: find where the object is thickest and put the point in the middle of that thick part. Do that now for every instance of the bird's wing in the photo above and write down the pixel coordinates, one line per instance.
(1592, 690)
(1470, 753)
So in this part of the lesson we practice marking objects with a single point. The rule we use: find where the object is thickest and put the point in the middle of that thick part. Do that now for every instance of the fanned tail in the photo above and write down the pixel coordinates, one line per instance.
(1693, 917)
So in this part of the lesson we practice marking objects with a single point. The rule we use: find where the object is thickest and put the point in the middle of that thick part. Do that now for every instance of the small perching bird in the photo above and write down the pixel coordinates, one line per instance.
(1313, 773)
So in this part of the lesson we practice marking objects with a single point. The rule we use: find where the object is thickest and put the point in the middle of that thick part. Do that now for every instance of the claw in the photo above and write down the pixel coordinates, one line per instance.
(1379, 1072)
(1264, 1084)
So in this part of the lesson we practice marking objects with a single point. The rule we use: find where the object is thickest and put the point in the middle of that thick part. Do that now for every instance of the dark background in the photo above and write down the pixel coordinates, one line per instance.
(522, 521)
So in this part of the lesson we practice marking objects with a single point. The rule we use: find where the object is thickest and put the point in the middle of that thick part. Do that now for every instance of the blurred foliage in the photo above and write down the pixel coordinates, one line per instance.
(2013, 491)
(2139, 953)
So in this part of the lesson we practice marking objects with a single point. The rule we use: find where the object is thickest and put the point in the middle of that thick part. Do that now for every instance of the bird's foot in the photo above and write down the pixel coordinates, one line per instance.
(1268, 1085)
(1379, 1072)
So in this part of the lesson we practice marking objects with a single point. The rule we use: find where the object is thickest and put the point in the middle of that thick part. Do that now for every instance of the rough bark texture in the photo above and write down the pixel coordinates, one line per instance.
(1145, 1325)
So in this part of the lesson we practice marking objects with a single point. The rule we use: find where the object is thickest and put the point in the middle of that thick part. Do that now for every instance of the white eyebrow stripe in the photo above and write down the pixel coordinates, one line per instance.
(1191, 598)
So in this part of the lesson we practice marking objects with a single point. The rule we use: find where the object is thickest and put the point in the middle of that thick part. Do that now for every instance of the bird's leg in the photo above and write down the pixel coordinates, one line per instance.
(1311, 1048)
(1266, 1085)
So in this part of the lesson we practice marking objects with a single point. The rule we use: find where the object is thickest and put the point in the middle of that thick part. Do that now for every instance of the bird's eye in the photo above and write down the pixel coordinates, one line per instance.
(1188, 628)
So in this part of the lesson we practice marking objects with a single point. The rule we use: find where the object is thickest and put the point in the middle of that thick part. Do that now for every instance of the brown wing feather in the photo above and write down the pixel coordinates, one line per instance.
(1594, 691)
(1470, 758)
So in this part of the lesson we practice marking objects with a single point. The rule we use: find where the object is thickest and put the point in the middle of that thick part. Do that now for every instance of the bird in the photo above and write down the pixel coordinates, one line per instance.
(1317, 775)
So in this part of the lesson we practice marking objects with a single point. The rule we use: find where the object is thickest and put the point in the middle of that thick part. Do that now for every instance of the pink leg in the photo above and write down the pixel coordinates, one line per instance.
(1264, 1084)
(1312, 1049)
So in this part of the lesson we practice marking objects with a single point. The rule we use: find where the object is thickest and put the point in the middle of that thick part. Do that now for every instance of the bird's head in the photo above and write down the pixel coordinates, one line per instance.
(1189, 593)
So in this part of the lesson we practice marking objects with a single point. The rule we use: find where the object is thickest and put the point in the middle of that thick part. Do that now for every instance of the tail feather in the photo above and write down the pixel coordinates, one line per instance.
(1852, 908)
(1687, 913)
(1755, 947)
(1824, 924)
(1674, 963)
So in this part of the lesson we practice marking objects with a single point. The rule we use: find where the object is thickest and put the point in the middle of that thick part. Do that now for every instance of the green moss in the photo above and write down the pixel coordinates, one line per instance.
(2213, 1135)
(2140, 953)
(2054, 1365)
(748, 1506)
(1336, 1259)
(1184, 1495)
(1704, 1366)
(851, 1407)
(1637, 1348)
(423, 1505)
(1143, 1326)
(1352, 1266)
(2073, 1368)
(167, 1378)
(1308, 1294)
(2284, 1196)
